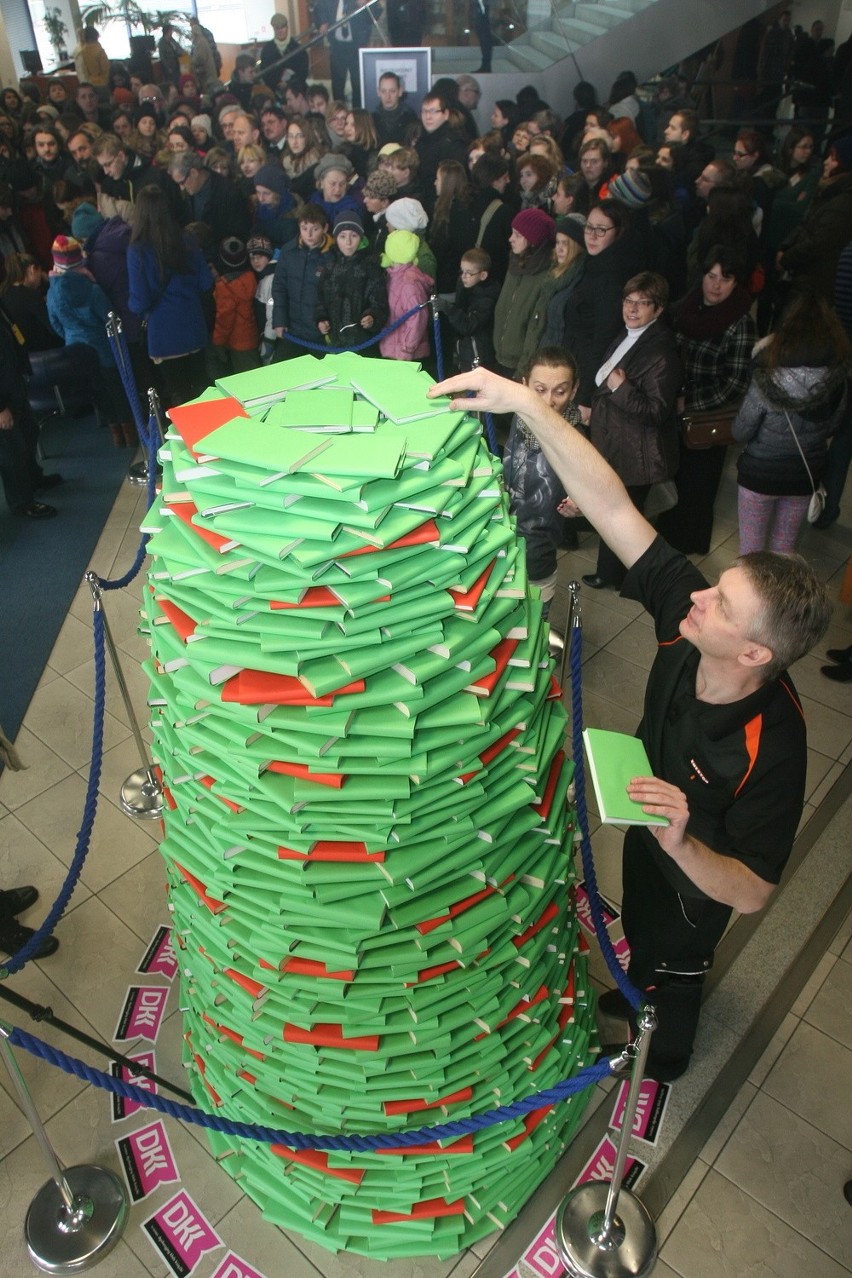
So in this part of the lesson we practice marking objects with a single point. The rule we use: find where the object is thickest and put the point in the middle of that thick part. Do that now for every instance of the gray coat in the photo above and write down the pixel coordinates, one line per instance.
(814, 399)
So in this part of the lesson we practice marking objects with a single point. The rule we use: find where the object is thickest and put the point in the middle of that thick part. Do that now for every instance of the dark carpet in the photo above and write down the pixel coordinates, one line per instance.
(42, 562)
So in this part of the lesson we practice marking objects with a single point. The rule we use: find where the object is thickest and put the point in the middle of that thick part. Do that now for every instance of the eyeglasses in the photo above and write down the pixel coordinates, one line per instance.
(430, 110)
(637, 301)
(467, 273)
(597, 231)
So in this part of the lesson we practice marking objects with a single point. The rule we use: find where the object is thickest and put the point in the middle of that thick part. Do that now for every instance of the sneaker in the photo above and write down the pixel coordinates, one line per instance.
(14, 936)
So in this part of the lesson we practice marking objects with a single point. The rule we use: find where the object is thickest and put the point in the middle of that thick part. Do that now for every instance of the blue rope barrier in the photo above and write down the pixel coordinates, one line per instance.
(90, 807)
(439, 350)
(636, 998)
(121, 355)
(569, 1087)
(362, 346)
(491, 434)
(149, 436)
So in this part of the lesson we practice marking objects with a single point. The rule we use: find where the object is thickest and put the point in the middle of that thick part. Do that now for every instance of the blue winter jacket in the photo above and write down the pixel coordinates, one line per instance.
(77, 308)
(173, 309)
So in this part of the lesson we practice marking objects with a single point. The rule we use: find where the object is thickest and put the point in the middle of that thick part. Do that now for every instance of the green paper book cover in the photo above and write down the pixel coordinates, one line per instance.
(614, 759)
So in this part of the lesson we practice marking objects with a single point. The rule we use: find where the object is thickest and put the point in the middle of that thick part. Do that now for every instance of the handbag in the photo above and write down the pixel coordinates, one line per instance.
(816, 505)
(710, 429)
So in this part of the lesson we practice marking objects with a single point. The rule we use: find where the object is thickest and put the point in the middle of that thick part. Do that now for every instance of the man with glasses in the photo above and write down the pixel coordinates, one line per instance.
(438, 141)
(208, 197)
(722, 725)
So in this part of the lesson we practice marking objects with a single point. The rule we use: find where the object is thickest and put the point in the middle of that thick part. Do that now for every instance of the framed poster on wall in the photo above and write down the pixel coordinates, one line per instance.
(413, 66)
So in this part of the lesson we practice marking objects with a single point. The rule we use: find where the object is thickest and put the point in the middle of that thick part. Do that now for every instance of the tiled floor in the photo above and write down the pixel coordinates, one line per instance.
(764, 1197)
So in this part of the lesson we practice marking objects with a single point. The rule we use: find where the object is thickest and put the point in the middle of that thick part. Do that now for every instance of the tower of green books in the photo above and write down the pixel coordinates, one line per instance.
(367, 834)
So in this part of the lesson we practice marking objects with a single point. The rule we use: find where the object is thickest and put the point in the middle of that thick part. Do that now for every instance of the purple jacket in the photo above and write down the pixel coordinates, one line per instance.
(106, 258)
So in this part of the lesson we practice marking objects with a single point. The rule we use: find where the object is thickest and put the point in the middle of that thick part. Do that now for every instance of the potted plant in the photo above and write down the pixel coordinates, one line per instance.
(56, 31)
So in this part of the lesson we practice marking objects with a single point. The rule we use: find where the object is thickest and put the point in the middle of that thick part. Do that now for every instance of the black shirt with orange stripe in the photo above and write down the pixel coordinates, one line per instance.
(741, 766)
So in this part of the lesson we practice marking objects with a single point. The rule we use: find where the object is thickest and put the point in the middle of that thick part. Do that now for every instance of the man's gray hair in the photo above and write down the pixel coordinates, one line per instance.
(182, 163)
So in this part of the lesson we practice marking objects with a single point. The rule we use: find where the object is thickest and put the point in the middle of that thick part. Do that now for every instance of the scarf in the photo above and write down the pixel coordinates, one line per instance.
(698, 322)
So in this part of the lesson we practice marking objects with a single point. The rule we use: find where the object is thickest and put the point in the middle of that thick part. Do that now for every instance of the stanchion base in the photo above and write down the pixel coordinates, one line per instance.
(138, 473)
(57, 1249)
(629, 1251)
(141, 796)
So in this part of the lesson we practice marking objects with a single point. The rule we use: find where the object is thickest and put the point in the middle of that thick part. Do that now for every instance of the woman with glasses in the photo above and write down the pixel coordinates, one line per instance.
(592, 314)
(300, 156)
(632, 420)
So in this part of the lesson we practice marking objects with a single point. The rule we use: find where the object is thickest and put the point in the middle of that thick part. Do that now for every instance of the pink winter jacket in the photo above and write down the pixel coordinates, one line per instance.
(407, 287)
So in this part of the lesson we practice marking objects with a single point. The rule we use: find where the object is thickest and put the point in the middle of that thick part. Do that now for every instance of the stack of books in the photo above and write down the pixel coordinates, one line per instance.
(367, 833)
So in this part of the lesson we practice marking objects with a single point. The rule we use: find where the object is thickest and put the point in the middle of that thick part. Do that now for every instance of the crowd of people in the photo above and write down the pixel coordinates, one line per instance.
(233, 225)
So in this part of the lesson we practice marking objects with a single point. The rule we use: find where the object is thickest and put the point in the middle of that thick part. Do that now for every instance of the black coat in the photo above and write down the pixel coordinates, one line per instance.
(297, 68)
(432, 148)
(450, 240)
(348, 289)
(471, 317)
(592, 315)
(635, 427)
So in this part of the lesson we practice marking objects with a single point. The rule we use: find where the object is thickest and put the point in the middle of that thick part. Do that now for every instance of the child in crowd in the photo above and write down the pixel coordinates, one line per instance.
(408, 287)
(352, 302)
(78, 308)
(235, 337)
(296, 281)
(260, 260)
(471, 314)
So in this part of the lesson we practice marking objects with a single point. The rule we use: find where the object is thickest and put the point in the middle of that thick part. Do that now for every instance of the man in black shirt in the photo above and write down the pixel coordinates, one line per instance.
(722, 726)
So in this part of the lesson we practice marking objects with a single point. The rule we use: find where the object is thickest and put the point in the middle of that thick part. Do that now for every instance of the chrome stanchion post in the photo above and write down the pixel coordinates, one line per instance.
(572, 620)
(603, 1230)
(78, 1215)
(141, 794)
(138, 473)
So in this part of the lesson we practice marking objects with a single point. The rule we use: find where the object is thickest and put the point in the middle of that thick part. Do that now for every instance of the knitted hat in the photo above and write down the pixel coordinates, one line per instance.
(49, 110)
(232, 253)
(348, 221)
(632, 189)
(380, 185)
(407, 215)
(202, 122)
(535, 225)
(260, 244)
(572, 227)
(84, 220)
(334, 162)
(146, 111)
(842, 148)
(67, 253)
(122, 97)
(274, 178)
(401, 248)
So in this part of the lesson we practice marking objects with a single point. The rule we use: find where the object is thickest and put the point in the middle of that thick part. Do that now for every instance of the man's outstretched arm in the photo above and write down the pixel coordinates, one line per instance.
(588, 480)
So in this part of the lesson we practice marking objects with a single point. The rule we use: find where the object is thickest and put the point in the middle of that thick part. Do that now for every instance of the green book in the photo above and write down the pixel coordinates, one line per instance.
(614, 759)
(271, 382)
(321, 409)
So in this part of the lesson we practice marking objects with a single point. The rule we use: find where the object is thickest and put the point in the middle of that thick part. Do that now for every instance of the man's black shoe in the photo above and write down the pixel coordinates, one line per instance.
(594, 582)
(16, 900)
(613, 1003)
(14, 936)
(840, 655)
(840, 674)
